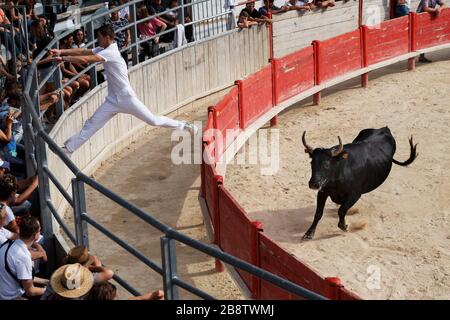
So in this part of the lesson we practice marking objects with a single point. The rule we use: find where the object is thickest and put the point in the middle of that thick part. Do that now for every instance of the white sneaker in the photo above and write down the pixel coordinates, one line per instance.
(192, 128)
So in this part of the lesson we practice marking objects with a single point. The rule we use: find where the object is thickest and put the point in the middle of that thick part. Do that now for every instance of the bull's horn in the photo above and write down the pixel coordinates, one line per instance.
(338, 150)
(308, 149)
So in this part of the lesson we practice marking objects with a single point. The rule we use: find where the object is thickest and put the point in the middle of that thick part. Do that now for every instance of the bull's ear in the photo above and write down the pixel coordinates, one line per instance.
(308, 152)
(344, 155)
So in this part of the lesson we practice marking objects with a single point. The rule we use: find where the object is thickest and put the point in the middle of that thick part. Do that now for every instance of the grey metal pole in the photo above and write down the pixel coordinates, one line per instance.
(59, 107)
(79, 207)
(90, 37)
(13, 49)
(169, 266)
(44, 186)
(28, 135)
(134, 35)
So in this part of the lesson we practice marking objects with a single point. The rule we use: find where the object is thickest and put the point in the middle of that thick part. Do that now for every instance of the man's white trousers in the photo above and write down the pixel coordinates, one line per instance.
(119, 104)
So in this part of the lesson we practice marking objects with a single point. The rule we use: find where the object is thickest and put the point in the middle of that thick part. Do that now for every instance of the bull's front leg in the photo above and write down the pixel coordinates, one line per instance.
(321, 199)
(351, 200)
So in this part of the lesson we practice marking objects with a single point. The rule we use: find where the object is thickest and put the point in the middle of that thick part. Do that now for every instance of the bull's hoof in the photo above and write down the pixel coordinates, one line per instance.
(343, 227)
(308, 236)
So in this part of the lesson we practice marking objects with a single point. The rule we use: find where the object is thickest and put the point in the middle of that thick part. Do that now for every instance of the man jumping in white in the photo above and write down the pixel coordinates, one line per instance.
(121, 97)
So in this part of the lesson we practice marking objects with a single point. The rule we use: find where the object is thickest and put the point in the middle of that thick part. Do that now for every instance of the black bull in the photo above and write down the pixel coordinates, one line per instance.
(345, 172)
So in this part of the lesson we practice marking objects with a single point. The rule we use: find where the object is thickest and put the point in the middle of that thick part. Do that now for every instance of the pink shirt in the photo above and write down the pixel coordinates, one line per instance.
(149, 28)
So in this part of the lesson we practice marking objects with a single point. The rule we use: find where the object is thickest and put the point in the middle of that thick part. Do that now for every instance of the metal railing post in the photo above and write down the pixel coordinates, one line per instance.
(169, 267)
(44, 186)
(90, 38)
(57, 78)
(79, 207)
(13, 49)
(134, 35)
(29, 135)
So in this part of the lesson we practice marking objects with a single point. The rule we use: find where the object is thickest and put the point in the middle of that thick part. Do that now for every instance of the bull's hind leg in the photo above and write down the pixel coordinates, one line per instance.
(321, 199)
(351, 200)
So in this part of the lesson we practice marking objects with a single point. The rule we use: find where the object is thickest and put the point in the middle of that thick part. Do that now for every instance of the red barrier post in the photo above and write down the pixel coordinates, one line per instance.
(241, 119)
(274, 120)
(365, 76)
(256, 282)
(412, 39)
(218, 181)
(317, 95)
(334, 287)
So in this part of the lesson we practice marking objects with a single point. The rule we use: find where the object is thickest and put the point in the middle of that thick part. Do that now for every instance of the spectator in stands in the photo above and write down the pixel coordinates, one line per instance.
(243, 21)
(11, 151)
(149, 29)
(179, 38)
(5, 75)
(189, 28)
(70, 282)
(155, 7)
(12, 105)
(7, 191)
(7, 38)
(123, 38)
(5, 234)
(124, 13)
(254, 15)
(78, 39)
(299, 5)
(174, 12)
(69, 70)
(229, 5)
(401, 8)
(23, 195)
(272, 8)
(80, 255)
(16, 265)
(430, 7)
(108, 291)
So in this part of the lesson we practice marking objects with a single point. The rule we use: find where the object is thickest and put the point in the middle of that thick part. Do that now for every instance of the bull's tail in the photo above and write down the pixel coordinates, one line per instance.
(412, 156)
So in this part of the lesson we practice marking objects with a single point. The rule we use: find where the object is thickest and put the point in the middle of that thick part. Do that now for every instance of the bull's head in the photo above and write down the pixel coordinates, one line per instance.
(324, 163)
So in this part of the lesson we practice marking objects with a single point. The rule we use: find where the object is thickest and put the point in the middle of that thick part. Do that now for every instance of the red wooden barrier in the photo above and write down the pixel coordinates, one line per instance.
(255, 96)
(294, 73)
(431, 30)
(278, 261)
(386, 40)
(226, 120)
(338, 56)
(237, 233)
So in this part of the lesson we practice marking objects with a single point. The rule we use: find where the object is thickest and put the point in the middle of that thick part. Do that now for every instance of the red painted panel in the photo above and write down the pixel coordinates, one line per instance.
(294, 73)
(344, 294)
(278, 261)
(236, 232)
(387, 40)
(255, 96)
(210, 188)
(339, 55)
(226, 120)
(431, 30)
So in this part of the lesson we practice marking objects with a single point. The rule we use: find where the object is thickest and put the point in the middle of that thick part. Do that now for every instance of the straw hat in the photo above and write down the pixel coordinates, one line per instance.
(79, 254)
(72, 281)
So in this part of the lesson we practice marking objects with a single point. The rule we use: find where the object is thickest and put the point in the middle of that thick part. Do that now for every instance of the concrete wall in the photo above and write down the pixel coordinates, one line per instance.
(375, 11)
(296, 29)
(194, 75)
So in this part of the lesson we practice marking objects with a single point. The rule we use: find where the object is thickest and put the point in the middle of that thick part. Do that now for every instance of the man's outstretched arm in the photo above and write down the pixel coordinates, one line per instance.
(79, 59)
(71, 52)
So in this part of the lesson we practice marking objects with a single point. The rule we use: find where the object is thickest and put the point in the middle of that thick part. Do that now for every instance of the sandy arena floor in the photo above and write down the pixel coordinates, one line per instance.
(406, 239)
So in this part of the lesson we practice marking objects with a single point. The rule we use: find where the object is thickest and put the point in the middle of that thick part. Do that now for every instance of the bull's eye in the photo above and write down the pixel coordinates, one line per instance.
(326, 165)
